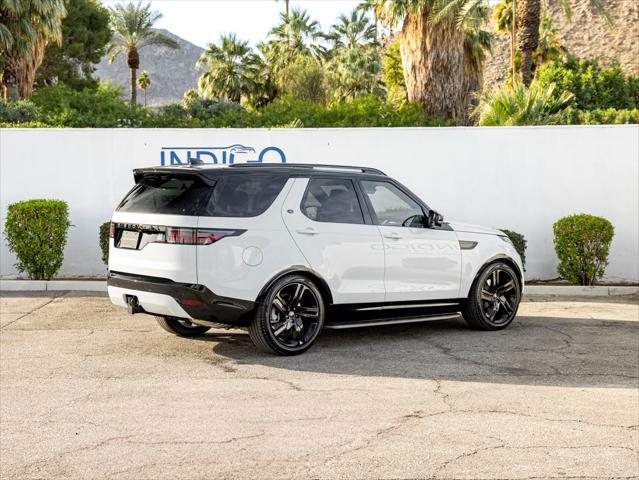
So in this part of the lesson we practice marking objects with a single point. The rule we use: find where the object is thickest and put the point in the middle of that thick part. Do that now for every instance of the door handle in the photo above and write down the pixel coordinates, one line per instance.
(393, 236)
(308, 231)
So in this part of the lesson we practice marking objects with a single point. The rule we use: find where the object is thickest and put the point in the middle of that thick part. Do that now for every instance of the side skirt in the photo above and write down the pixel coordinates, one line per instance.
(365, 315)
(392, 321)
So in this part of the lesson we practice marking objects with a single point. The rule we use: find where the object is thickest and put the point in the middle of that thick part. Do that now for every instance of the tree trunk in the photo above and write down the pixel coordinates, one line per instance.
(473, 82)
(433, 60)
(133, 62)
(528, 38)
(145, 97)
(20, 71)
(134, 84)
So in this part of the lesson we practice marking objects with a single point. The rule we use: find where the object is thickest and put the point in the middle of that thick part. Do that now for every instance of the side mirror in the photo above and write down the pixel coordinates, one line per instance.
(435, 219)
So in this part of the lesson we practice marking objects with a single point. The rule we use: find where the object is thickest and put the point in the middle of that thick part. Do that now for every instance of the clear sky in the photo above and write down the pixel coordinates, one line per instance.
(202, 21)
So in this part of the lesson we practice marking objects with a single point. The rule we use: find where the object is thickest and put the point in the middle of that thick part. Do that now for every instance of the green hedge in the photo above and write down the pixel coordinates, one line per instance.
(18, 112)
(59, 106)
(104, 241)
(36, 231)
(593, 87)
(582, 243)
(519, 242)
(607, 116)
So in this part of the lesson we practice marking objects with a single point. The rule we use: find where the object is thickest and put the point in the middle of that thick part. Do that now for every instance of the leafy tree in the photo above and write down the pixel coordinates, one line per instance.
(133, 30)
(393, 73)
(296, 34)
(518, 105)
(144, 82)
(432, 40)
(304, 79)
(228, 69)
(26, 28)
(85, 35)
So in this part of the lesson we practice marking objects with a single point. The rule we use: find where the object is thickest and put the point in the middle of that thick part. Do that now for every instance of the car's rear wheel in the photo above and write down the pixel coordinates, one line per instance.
(289, 317)
(494, 298)
(181, 327)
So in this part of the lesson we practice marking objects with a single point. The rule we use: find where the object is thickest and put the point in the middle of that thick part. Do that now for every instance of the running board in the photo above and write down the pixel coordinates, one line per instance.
(392, 321)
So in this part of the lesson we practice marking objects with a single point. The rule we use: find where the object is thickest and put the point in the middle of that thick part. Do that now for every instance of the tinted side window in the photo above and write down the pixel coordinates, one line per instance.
(167, 193)
(332, 200)
(244, 195)
(391, 206)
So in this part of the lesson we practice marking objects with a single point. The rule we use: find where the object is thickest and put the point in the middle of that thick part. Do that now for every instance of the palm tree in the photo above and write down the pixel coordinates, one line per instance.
(26, 27)
(229, 69)
(355, 67)
(353, 31)
(432, 41)
(144, 82)
(477, 44)
(296, 34)
(133, 30)
(286, 5)
(529, 17)
(355, 72)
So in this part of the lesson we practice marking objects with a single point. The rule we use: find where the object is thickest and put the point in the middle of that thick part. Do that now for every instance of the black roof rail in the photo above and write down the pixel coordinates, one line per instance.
(310, 166)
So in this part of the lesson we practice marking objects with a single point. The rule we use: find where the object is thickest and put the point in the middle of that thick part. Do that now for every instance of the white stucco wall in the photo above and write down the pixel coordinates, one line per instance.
(522, 178)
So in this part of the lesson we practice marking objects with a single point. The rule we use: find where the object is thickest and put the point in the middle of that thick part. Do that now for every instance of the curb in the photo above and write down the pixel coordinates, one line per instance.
(579, 291)
(100, 286)
(52, 285)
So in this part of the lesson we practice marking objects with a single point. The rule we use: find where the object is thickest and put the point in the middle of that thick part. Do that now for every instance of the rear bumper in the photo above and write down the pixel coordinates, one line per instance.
(162, 296)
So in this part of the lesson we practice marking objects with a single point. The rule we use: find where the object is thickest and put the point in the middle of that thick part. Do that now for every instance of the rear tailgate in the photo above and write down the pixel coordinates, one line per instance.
(148, 257)
(152, 231)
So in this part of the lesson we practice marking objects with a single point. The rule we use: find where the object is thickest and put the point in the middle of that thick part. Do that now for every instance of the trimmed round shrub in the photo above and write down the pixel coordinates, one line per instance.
(582, 243)
(36, 231)
(104, 241)
(519, 242)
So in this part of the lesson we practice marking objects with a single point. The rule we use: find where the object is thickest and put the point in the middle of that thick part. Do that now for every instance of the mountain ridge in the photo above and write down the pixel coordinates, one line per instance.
(172, 72)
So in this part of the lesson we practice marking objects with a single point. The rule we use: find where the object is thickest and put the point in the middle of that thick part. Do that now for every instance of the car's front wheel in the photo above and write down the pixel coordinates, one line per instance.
(181, 327)
(494, 298)
(289, 317)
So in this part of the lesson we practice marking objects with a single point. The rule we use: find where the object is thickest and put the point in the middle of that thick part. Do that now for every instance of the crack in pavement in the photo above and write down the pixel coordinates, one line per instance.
(55, 297)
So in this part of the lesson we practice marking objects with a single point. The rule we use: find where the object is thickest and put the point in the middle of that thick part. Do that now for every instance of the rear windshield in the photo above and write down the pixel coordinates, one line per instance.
(168, 194)
(231, 196)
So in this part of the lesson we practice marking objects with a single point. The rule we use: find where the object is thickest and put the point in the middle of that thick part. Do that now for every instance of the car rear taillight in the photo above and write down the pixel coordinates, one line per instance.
(145, 234)
(198, 236)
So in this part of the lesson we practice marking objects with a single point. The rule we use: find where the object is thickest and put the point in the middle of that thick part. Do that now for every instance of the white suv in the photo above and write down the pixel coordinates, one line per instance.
(289, 249)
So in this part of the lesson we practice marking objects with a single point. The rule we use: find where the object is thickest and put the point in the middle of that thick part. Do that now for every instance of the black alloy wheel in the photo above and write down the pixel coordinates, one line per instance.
(494, 298)
(289, 318)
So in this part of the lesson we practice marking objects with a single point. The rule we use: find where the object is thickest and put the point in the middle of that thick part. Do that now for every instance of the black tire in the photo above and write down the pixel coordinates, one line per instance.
(288, 317)
(492, 304)
(181, 327)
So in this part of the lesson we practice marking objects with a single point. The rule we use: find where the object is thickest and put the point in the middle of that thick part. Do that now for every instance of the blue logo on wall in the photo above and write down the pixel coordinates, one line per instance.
(220, 155)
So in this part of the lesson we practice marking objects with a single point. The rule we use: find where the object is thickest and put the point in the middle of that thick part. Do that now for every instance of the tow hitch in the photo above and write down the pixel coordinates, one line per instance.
(132, 304)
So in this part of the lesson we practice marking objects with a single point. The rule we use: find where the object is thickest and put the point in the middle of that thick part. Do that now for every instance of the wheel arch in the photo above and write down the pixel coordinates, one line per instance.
(504, 259)
(322, 285)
